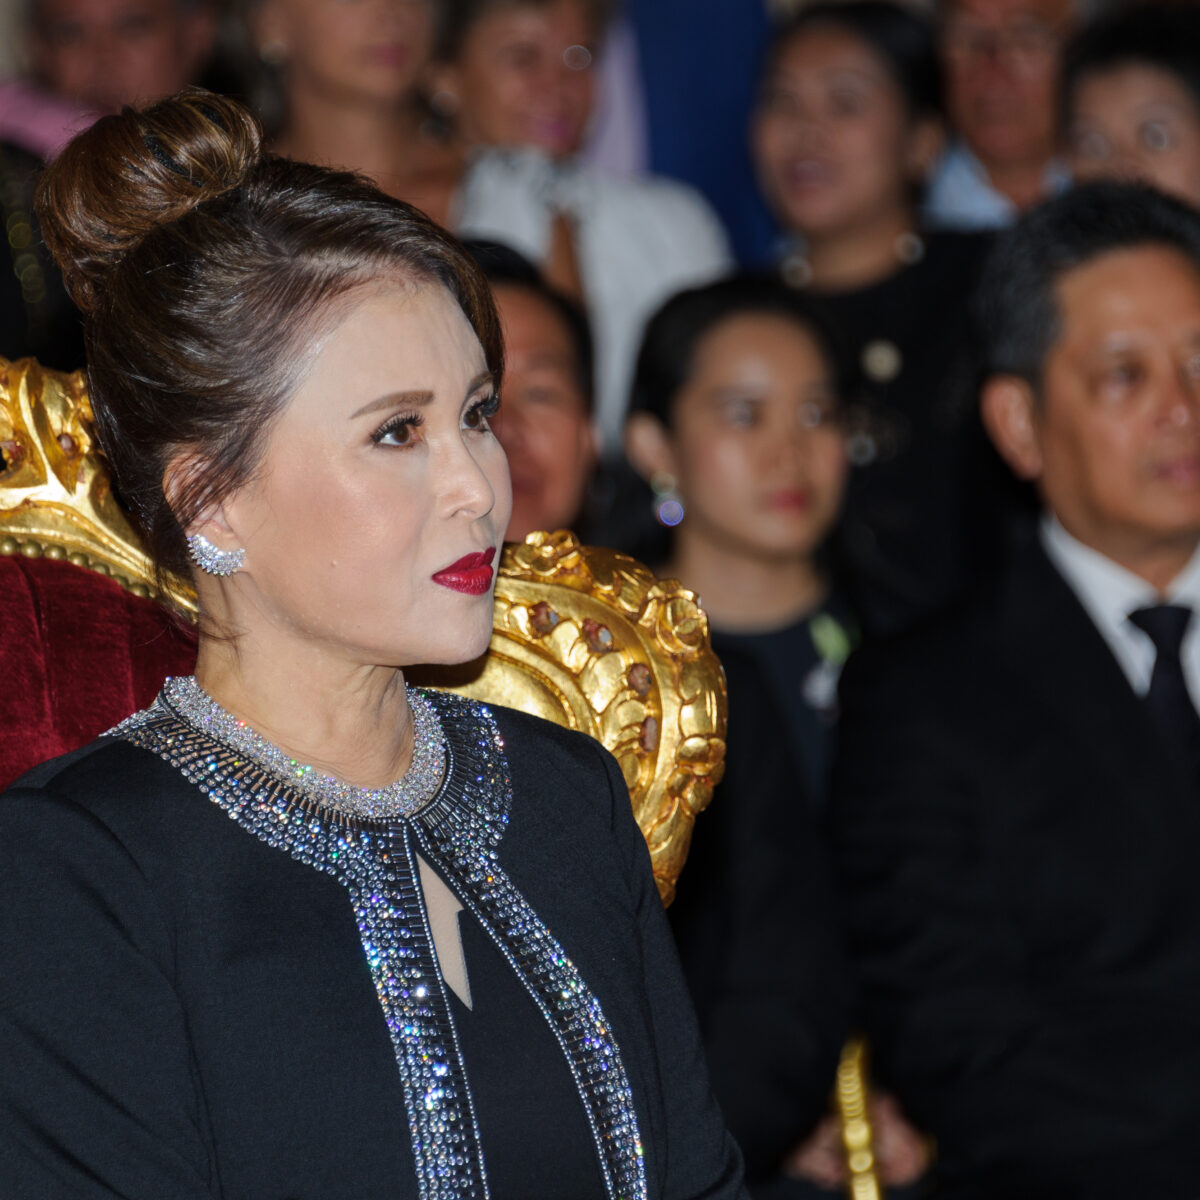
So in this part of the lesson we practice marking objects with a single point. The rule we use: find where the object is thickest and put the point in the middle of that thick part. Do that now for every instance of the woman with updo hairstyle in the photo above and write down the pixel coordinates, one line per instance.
(297, 931)
(847, 125)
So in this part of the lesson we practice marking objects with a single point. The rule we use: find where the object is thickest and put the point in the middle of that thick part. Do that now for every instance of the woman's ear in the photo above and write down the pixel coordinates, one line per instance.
(648, 447)
(211, 521)
(926, 140)
(1009, 409)
(267, 23)
(443, 85)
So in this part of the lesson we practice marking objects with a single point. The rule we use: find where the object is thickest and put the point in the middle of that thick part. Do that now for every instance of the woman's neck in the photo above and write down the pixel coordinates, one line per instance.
(858, 257)
(744, 592)
(345, 720)
(384, 142)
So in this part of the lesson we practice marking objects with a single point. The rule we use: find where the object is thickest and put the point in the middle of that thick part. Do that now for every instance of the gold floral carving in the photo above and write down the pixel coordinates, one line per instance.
(55, 497)
(591, 639)
(583, 636)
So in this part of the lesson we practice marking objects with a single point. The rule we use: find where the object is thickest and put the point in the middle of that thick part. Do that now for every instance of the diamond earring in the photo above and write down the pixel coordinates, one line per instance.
(210, 559)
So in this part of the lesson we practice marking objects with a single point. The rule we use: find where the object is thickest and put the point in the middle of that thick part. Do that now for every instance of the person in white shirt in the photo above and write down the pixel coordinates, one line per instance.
(1001, 60)
(1017, 788)
(516, 80)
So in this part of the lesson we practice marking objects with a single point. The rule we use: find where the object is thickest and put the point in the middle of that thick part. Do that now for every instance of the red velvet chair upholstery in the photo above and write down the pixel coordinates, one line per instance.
(77, 654)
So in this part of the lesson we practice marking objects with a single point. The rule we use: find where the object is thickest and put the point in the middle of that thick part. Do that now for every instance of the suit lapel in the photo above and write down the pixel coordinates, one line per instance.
(1047, 639)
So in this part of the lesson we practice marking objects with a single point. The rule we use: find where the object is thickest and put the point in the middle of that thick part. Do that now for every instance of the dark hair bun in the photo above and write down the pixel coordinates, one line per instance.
(115, 182)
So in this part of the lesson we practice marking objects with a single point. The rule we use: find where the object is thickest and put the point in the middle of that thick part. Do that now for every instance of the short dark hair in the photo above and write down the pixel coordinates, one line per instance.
(203, 266)
(901, 39)
(1016, 304)
(454, 19)
(1167, 39)
(667, 357)
(506, 267)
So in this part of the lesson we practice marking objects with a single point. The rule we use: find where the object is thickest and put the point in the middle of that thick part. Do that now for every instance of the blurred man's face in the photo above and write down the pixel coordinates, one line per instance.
(108, 53)
(1002, 61)
(1114, 440)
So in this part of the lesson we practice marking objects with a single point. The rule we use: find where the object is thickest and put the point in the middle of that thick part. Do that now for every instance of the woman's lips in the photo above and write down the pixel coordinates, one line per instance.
(471, 574)
(789, 500)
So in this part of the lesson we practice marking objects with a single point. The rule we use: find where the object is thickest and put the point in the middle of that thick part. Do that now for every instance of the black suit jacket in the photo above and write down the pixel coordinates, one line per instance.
(1020, 864)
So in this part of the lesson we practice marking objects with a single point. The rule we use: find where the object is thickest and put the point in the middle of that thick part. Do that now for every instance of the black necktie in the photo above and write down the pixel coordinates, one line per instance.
(1168, 700)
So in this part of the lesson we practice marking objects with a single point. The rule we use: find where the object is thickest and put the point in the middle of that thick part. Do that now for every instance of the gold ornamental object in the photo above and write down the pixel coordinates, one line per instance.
(56, 497)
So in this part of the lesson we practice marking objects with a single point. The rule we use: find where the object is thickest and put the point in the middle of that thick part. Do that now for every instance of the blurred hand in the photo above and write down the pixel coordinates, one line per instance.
(902, 1155)
(821, 1157)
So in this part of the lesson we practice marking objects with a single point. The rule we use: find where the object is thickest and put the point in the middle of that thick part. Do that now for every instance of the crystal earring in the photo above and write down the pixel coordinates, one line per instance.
(210, 559)
(667, 504)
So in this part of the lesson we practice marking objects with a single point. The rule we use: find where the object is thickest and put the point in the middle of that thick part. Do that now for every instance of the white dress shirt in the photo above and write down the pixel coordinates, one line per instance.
(960, 194)
(1110, 593)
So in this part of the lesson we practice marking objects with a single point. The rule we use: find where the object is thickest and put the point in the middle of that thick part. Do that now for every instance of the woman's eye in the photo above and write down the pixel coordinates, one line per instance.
(477, 416)
(741, 414)
(397, 431)
(849, 101)
(779, 102)
(1154, 135)
(816, 414)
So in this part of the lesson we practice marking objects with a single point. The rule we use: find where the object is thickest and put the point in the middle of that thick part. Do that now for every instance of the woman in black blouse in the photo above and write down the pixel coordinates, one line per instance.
(296, 931)
(847, 124)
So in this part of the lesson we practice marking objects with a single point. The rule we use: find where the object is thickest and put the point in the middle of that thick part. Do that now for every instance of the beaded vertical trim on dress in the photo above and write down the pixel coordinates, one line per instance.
(460, 829)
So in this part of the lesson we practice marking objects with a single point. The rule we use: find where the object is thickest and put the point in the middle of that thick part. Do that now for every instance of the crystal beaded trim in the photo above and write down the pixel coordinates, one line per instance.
(414, 789)
(374, 862)
(460, 830)
(463, 828)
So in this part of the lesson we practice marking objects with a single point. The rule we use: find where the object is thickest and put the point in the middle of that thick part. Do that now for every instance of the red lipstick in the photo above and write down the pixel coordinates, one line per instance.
(471, 574)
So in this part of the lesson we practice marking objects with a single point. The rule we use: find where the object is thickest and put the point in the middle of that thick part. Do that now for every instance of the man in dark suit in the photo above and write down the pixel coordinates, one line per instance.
(1017, 790)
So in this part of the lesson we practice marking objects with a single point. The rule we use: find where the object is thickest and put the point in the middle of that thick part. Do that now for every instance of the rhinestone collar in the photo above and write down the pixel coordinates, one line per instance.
(406, 796)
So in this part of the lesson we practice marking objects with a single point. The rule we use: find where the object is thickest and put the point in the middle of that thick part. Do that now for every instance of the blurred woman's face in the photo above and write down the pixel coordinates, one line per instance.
(347, 50)
(544, 424)
(373, 522)
(758, 454)
(1136, 122)
(833, 144)
(524, 76)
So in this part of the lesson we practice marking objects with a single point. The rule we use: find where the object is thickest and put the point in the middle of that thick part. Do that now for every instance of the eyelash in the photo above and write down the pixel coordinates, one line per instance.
(485, 406)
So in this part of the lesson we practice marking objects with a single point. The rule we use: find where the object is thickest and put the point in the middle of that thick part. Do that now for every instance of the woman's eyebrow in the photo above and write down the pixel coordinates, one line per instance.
(393, 399)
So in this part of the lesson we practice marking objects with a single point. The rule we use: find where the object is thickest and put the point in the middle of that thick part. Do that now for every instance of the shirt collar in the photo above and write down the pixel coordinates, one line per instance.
(1107, 590)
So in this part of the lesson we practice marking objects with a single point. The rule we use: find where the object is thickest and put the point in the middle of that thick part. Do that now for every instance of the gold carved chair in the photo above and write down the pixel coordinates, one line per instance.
(583, 636)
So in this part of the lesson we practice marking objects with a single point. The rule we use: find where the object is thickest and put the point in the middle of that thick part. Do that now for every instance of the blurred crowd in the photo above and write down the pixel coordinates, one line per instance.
(878, 326)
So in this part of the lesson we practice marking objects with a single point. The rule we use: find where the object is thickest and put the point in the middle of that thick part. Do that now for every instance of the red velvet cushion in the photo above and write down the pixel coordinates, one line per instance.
(77, 654)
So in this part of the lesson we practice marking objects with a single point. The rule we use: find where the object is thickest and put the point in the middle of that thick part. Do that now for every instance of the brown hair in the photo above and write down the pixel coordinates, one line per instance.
(203, 268)
(455, 18)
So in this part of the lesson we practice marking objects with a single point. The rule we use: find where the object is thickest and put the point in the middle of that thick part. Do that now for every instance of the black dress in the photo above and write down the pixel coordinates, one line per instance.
(214, 988)
(920, 518)
(755, 917)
